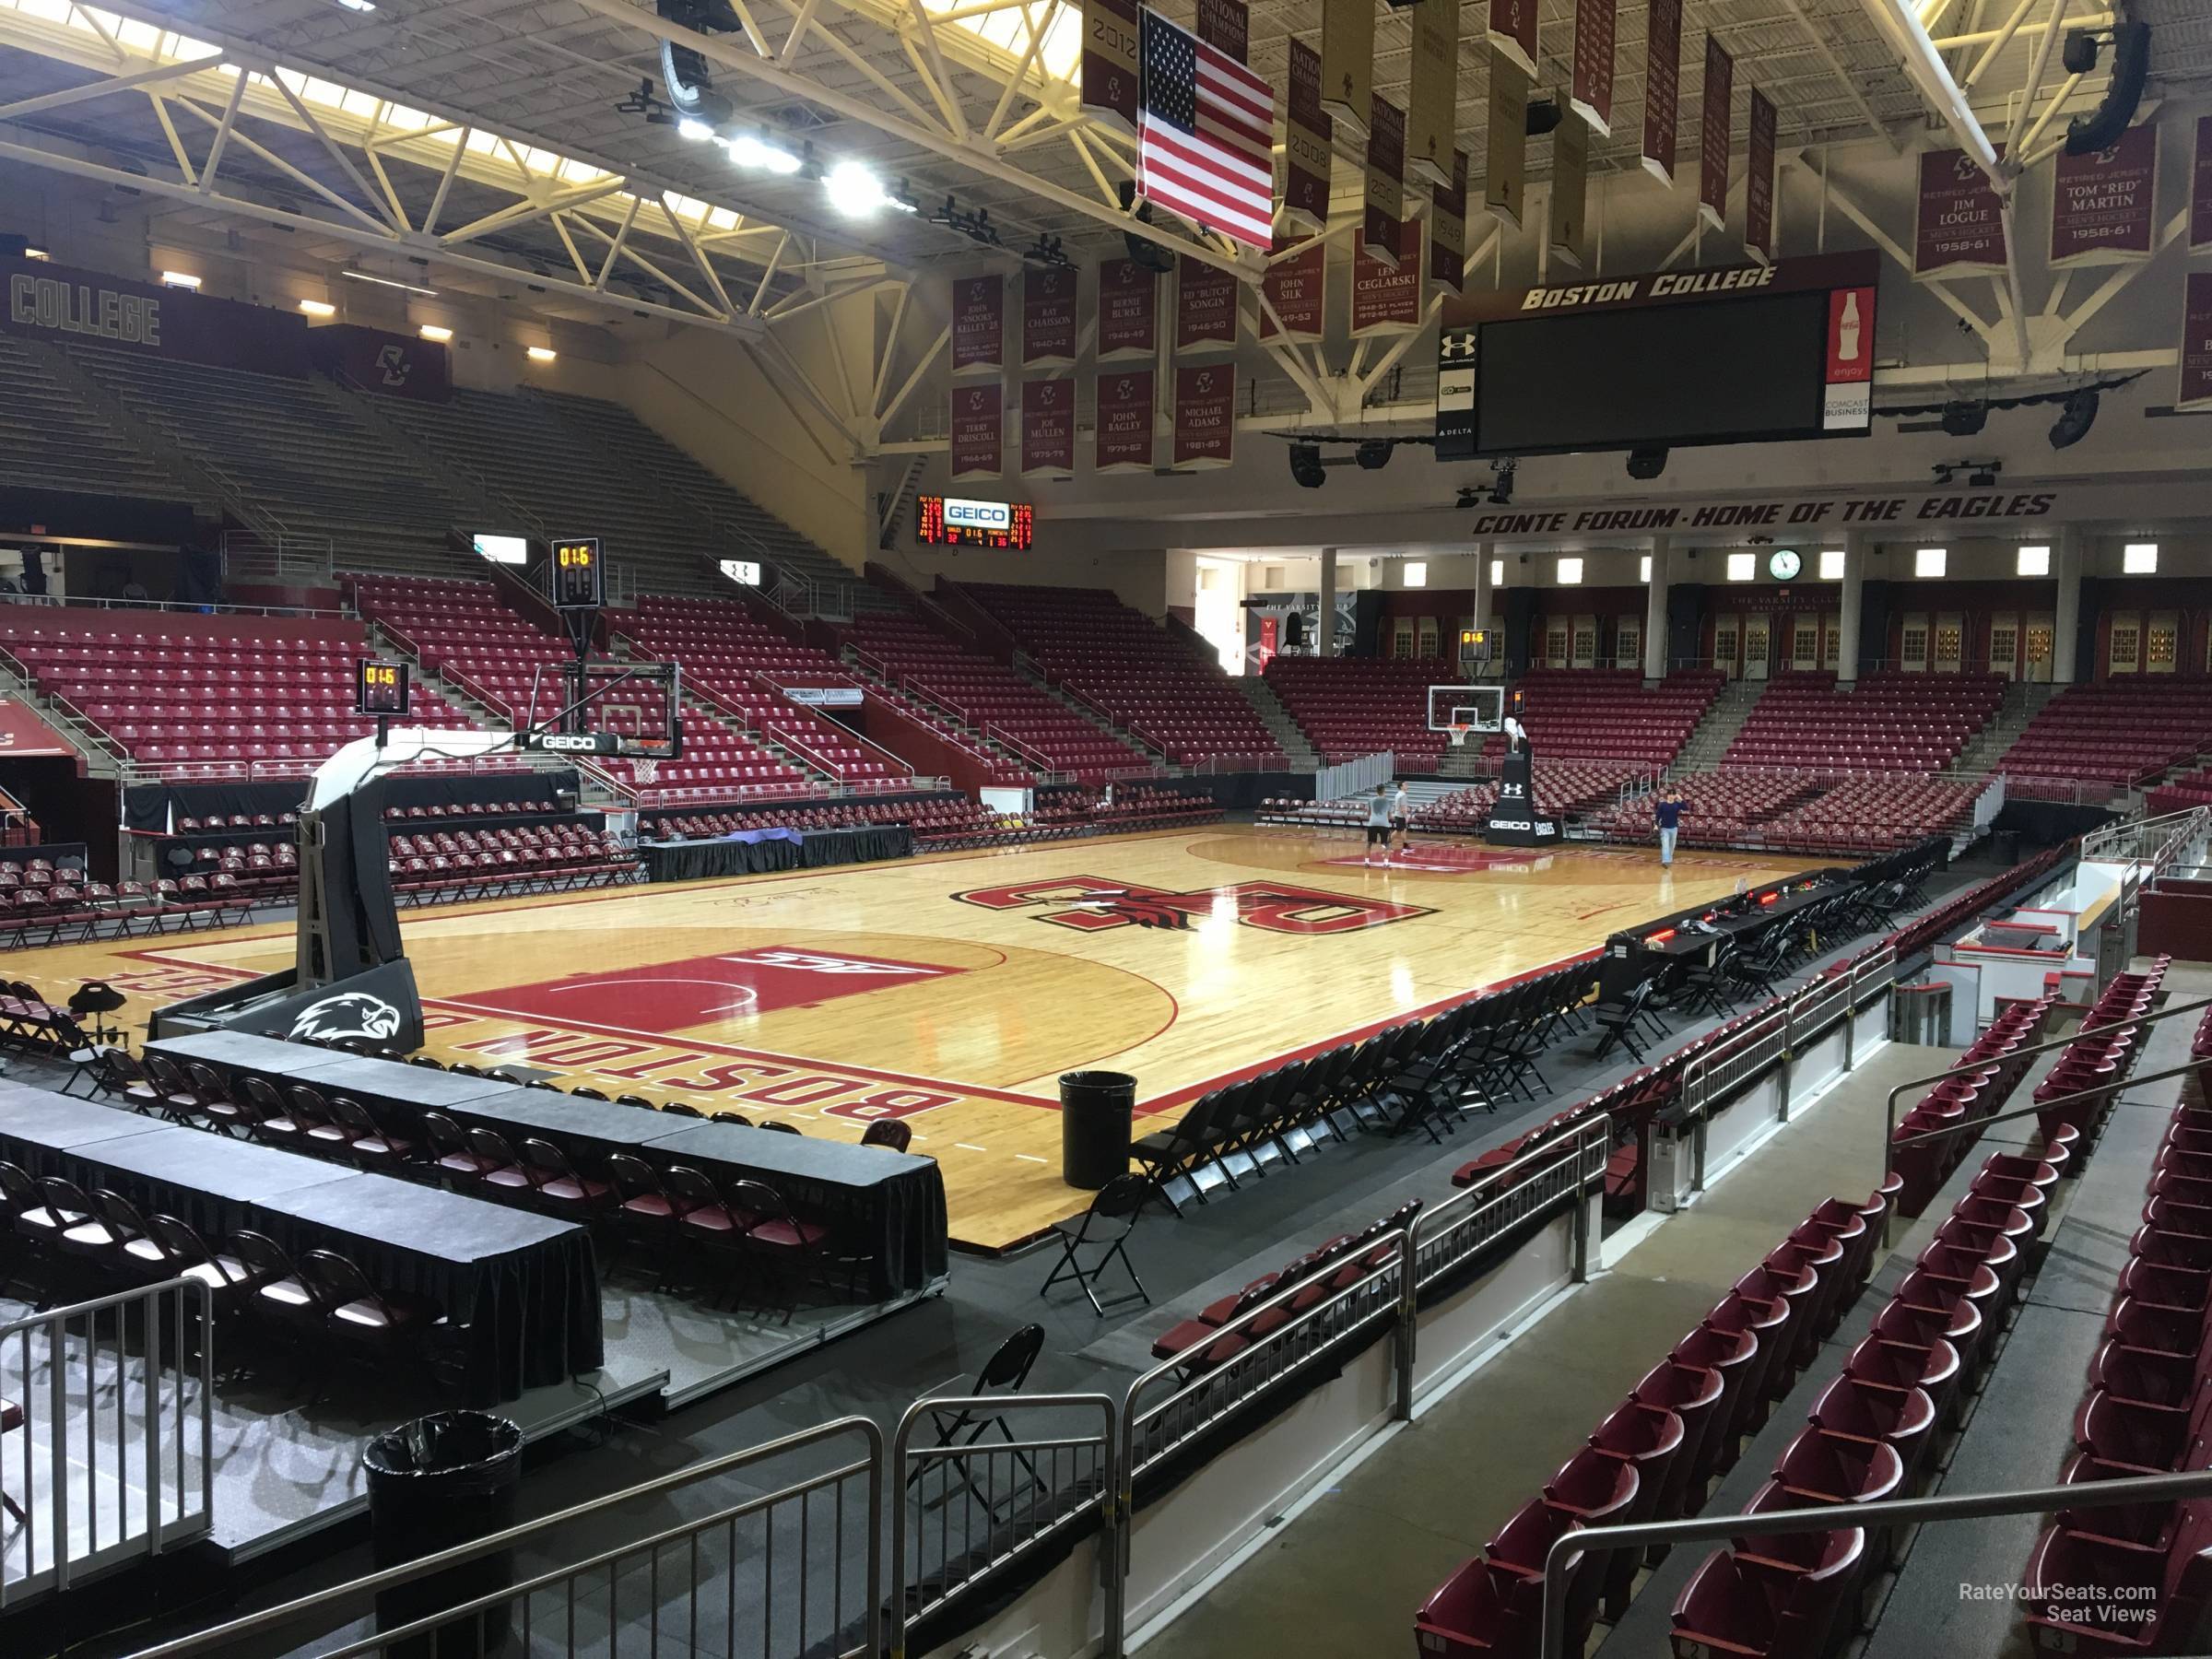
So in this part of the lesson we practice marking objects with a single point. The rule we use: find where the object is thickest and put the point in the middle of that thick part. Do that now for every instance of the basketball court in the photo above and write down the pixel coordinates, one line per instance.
(952, 991)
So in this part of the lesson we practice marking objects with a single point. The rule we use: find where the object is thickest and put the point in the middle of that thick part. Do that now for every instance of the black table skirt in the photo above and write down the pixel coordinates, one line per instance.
(694, 861)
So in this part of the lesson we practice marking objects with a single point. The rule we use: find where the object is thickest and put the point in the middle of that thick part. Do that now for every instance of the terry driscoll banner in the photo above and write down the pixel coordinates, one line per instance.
(978, 430)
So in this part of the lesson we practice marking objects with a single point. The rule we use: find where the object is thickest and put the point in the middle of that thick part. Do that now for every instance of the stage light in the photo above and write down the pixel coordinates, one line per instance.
(1646, 463)
(696, 130)
(432, 331)
(179, 279)
(854, 191)
(1963, 419)
(2075, 421)
(1149, 256)
(749, 150)
(541, 354)
(1305, 465)
(36, 254)
(318, 307)
(429, 293)
(358, 6)
(1374, 455)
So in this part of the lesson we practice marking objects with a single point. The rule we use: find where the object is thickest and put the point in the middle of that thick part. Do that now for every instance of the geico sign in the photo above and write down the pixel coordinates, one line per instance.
(982, 516)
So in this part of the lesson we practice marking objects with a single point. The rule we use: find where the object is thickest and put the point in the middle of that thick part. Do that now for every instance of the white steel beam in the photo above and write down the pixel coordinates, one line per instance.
(100, 89)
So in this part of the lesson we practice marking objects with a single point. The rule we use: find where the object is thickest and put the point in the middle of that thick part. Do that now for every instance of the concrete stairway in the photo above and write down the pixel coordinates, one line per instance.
(1256, 691)
(103, 758)
(2023, 701)
(1710, 738)
(1140, 755)
(210, 495)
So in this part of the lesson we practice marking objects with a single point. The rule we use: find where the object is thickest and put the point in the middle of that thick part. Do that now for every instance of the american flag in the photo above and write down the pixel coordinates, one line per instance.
(1205, 135)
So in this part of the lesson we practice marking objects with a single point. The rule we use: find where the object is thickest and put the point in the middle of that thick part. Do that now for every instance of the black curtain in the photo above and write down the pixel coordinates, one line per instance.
(1520, 630)
(1685, 622)
(1874, 625)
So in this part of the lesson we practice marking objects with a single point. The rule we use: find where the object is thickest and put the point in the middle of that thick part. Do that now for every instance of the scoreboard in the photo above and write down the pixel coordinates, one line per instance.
(381, 688)
(954, 521)
(577, 575)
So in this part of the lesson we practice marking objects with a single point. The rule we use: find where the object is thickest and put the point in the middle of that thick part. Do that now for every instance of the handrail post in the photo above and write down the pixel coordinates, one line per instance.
(1408, 1318)
(1579, 1266)
(1789, 1058)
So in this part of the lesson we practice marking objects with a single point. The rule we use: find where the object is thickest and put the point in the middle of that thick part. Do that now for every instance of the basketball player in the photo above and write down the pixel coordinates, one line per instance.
(1666, 812)
(1401, 819)
(1378, 824)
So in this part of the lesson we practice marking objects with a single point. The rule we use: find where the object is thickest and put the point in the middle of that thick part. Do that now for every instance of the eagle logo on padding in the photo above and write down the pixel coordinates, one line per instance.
(348, 1014)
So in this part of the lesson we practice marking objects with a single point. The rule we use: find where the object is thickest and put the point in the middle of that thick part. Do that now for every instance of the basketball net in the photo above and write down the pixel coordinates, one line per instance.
(645, 770)
(1459, 736)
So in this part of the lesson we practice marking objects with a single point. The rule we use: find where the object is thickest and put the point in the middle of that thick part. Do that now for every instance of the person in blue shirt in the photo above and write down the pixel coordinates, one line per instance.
(1668, 812)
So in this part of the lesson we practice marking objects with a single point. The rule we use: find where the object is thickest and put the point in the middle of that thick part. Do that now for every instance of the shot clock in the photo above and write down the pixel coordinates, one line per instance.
(578, 574)
(381, 689)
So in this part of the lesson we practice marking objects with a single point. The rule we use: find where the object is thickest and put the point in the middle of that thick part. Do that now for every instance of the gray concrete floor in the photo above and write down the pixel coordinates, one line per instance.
(1346, 1576)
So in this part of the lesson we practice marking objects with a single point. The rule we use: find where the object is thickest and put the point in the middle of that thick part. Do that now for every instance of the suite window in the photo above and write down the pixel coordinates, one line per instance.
(1417, 572)
(2139, 559)
(1743, 567)
(2033, 561)
(1832, 564)
(1929, 562)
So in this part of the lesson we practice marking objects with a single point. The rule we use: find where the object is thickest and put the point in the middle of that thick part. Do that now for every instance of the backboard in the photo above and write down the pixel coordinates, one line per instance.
(1475, 708)
(608, 708)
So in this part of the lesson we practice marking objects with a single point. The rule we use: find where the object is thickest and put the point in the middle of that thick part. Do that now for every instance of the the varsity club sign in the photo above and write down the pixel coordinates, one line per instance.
(1095, 905)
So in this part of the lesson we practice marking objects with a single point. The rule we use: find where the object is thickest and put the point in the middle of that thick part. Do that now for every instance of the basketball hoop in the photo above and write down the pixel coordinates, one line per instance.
(645, 770)
(1459, 736)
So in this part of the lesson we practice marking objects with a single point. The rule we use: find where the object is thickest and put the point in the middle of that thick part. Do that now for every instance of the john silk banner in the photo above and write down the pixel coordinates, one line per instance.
(1226, 26)
(978, 430)
(1590, 86)
(2195, 389)
(1205, 306)
(1206, 414)
(2102, 203)
(1307, 134)
(1758, 181)
(1512, 33)
(1385, 203)
(1048, 316)
(1297, 288)
(1048, 426)
(1716, 120)
(1569, 227)
(1506, 185)
(1662, 86)
(1348, 63)
(1386, 297)
(1448, 228)
(2200, 189)
(1958, 224)
(1110, 76)
(1432, 100)
(58, 303)
(978, 324)
(1125, 421)
(1128, 309)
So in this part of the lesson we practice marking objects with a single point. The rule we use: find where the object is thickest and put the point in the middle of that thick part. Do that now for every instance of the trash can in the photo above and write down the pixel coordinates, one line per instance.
(1095, 1109)
(1673, 1164)
(1920, 1013)
(434, 1484)
(2005, 846)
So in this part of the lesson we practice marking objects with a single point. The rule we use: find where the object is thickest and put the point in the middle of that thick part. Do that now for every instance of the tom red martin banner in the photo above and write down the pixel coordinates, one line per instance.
(1205, 306)
(2195, 389)
(1048, 426)
(2102, 203)
(1206, 414)
(1124, 421)
(1297, 288)
(1758, 181)
(1128, 309)
(1662, 87)
(978, 430)
(1589, 84)
(1959, 225)
(1308, 134)
(1048, 316)
(978, 324)
(1716, 121)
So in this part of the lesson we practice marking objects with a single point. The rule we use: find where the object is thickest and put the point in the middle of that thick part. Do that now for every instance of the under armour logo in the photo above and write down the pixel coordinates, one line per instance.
(1460, 344)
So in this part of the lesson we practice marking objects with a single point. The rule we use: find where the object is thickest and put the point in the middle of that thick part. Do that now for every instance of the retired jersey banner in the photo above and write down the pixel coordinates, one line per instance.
(1448, 228)
(1959, 224)
(1205, 306)
(1125, 421)
(1048, 426)
(1568, 208)
(1386, 202)
(1386, 298)
(978, 430)
(1662, 87)
(1226, 26)
(1506, 184)
(1206, 414)
(1308, 134)
(1297, 288)
(978, 324)
(1758, 181)
(2200, 189)
(1348, 63)
(1432, 96)
(2195, 390)
(2102, 204)
(1048, 315)
(1716, 121)
(1512, 33)
(1128, 309)
(1110, 78)
(1590, 84)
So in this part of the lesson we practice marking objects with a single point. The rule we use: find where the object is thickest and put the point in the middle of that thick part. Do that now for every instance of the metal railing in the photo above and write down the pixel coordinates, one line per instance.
(1353, 777)
(2155, 842)
(253, 555)
(115, 1457)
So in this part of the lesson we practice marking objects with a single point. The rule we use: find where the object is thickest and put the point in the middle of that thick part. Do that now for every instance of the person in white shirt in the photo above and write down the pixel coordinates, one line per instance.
(1401, 819)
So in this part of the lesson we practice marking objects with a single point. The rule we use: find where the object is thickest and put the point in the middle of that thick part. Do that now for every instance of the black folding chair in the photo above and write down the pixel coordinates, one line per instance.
(1002, 1374)
(1168, 1154)
(1109, 1221)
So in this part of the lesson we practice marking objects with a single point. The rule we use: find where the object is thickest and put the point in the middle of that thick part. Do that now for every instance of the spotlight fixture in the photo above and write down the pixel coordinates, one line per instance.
(1963, 418)
(976, 227)
(435, 333)
(1147, 254)
(2075, 420)
(318, 307)
(1501, 481)
(179, 279)
(1943, 470)
(1470, 496)
(2079, 53)
(758, 151)
(1047, 253)
(1543, 116)
(1305, 465)
(1984, 476)
(855, 191)
(643, 103)
(1646, 463)
(1374, 455)
(692, 128)
(540, 354)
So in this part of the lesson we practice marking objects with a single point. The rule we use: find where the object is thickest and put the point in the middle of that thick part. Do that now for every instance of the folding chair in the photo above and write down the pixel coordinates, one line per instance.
(1168, 1154)
(1617, 1022)
(1002, 1374)
(1115, 1207)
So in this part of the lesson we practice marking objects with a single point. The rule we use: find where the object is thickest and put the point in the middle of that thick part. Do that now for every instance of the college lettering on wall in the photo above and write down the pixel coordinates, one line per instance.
(978, 324)
(60, 302)
(1128, 309)
(1205, 410)
(1124, 421)
(2102, 203)
(1958, 224)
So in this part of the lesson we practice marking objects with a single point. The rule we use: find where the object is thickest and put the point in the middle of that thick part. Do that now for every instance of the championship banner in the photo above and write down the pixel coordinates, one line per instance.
(1205, 306)
(2200, 189)
(1506, 184)
(1513, 33)
(1385, 170)
(1386, 298)
(1110, 76)
(1448, 228)
(1958, 224)
(2195, 389)
(1590, 86)
(1432, 95)
(1048, 316)
(1226, 26)
(1348, 63)
(1128, 309)
(1308, 134)
(1206, 414)
(1662, 87)
(978, 324)
(1048, 426)
(1716, 120)
(978, 430)
(1758, 181)
(1569, 193)
(2102, 205)
(1124, 421)
(1298, 289)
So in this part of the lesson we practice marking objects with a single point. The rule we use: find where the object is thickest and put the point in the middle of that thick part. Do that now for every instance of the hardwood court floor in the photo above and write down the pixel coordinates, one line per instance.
(953, 990)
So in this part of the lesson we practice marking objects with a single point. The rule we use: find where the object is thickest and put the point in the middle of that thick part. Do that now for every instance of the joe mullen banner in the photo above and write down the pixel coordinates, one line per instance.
(1297, 288)
(1206, 414)
(1048, 426)
(1959, 225)
(1109, 79)
(1662, 86)
(2195, 389)
(978, 430)
(1589, 88)
(1758, 181)
(1716, 128)
(1048, 316)
(1128, 309)
(1124, 421)
(1386, 298)
(1307, 134)
(1205, 306)
(1385, 169)
(978, 324)
(2102, 202)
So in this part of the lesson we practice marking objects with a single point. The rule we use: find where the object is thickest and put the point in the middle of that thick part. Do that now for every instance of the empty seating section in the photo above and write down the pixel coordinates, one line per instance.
(1957, 1105)
(1718, 808)
(1607, 713)
(1353, 706)
(2179, 793)
(52, 441)
(2116, 731)
(1875, 812)
(933, 678)
(1134, 806)
(461, 629)
(1889, 721)
(937, 821)
(1143, 677)
(45, 904)
(209, 696)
